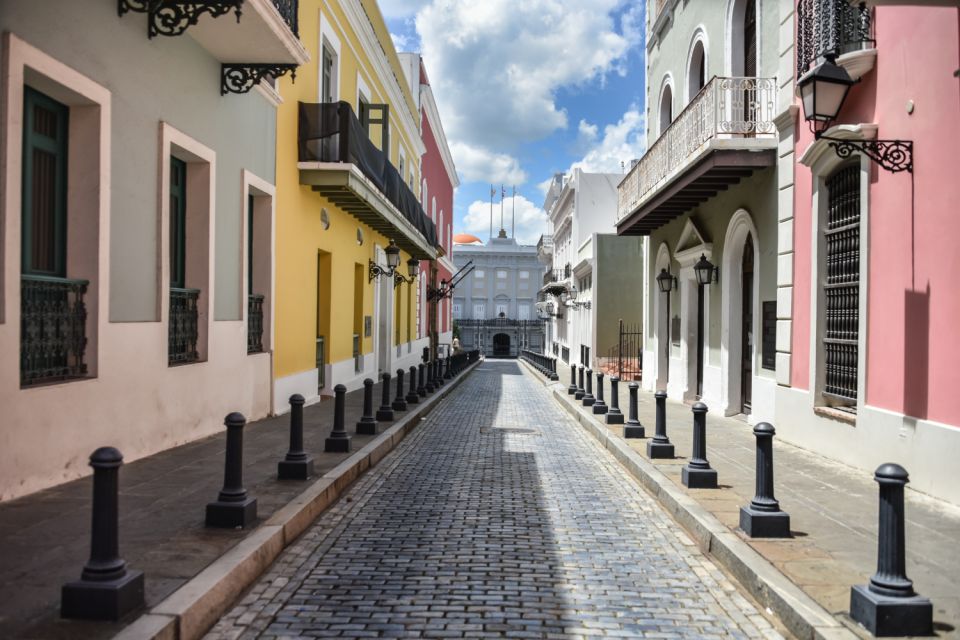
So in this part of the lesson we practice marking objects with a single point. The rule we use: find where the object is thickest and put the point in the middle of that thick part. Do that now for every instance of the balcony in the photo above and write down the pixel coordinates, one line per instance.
(835, 27)
(545, 248)
(251, 38)
(53, 337)
(725, 134)
(338, 160)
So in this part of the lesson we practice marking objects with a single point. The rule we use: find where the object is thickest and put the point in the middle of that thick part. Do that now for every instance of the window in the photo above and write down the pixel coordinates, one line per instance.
(524, 275)
(184, 309)
(400, 166)
(478, 273)
(841, 264)
(479, 311)
(501, 274)
(523, 311)
(456, 310)
(178, 222)
(501, 310)
(328, 74)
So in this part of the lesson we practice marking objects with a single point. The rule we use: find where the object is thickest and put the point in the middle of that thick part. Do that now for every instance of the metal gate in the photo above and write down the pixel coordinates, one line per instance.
(626, 359)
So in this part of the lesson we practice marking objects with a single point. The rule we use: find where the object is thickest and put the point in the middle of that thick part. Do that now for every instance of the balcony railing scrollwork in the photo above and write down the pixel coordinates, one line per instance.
(255, 323)
(53, 338)
(831, 27)
(183, 332)
(724, 109)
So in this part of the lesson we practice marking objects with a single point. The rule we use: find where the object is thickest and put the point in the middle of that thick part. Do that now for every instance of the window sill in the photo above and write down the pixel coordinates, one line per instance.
(836, 414)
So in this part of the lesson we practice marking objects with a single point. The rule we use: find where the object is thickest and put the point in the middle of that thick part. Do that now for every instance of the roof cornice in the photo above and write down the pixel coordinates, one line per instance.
(429, 106)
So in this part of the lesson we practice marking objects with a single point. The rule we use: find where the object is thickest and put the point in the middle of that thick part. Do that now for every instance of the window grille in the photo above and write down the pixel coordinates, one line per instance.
(842, 286)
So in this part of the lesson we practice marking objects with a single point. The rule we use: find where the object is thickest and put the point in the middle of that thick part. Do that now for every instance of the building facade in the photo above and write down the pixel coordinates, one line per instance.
(494, 306)
(137, 269)
(866, 299)
(706, 193)
(348, 168)
(590, 282)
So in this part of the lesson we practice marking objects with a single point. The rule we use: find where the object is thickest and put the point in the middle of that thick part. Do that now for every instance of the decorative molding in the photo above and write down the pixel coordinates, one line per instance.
(787, 119)
(858, 63)
(240, 77)
(816, 149)
(174, 17)
(430, 111)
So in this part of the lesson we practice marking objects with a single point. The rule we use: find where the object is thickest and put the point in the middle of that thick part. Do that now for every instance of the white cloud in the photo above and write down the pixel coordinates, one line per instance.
(400, 8)
(477, 164)
(400, 42)
(496, 65)
(621, 143)
(530, 219)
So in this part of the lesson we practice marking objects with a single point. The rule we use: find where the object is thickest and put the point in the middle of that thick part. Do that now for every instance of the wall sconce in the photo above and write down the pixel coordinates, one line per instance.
(706, 272)
(393, 261)
(822, 91)
(413, 268)
(666, 281)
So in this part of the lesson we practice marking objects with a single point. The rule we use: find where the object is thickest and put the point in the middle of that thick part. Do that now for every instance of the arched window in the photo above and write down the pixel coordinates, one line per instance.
(696, 70)
(666, 108)
(742, 41)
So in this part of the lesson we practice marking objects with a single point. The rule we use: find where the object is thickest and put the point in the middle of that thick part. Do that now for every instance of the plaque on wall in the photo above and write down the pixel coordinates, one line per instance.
(769, 336)
(675, 331)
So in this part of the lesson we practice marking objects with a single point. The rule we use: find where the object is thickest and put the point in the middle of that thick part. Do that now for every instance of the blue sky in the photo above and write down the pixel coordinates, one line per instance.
(527, 89)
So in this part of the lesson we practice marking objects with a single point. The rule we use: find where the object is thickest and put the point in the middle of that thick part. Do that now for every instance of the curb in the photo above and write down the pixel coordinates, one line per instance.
(190, 611)
(798, 612)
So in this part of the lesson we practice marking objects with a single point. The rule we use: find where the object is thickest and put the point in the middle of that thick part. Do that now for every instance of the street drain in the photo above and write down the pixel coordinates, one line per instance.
(509, 430)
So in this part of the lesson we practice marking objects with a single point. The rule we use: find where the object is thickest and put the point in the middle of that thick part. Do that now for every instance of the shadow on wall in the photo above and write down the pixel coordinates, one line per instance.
(916, 357)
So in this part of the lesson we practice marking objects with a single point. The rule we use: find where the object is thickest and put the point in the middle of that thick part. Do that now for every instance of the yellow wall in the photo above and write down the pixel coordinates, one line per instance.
(302, 243)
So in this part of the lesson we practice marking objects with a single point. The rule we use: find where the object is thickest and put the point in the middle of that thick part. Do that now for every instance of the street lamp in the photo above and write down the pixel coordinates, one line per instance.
(393, 261)
(706, 272)
(666, 281)
(823, 91)
(413, 269)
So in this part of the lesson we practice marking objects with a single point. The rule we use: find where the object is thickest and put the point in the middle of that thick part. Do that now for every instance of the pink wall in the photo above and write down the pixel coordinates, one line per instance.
(440, 187)
(914, 296)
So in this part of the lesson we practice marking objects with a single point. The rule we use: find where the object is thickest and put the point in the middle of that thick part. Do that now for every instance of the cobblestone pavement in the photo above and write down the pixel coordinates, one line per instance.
(497, 517)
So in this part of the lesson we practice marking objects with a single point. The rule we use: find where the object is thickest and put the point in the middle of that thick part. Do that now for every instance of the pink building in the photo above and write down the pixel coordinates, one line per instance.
(868, 298)
(439, 181)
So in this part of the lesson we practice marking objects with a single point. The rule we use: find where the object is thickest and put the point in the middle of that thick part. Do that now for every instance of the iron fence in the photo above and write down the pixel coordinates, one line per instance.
(183, 331)
(831, 27)
(321, 363)
(626, 358)
(255, 323)
(288, 11)
(53, 320)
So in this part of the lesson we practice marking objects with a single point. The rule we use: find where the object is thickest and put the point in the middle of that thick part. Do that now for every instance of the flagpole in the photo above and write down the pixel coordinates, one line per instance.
(491, 212)
(503, 192)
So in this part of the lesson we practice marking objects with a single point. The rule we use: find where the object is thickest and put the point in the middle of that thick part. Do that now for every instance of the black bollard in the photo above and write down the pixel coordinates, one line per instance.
(762, 518)
(553, 369)
(578, 395)
(296, 465)
(614, 416)
(889, 606)
(588, 398)
(106, 590)
(430, 381)
(233, 507)
(421, 381)
(412, 396)
(446, 365)
(339, 441)
(367, 425)
(633, 428)
(440, 372)
(697, 473)
(385, 412)
(599, 407)
(572, 389)
(399, 404)
(660, 446)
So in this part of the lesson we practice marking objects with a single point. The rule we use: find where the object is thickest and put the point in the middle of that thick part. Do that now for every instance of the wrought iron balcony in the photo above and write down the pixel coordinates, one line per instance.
(831, 27)
(53, 336)
(183, 332)
(338, 160)
(727, 115)
(254, 323)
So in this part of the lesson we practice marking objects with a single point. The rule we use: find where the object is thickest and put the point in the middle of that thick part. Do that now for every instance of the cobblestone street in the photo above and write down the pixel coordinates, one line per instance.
(497, 517)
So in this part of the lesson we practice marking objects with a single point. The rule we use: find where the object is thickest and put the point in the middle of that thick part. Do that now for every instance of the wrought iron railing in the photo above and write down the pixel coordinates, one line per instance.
(288, 11)
(183, 333)
(565, 354)
(498, 322)
(831, 27)
(321, 363)
(726, 108)
(357, 356)
(545, 242)
(53, 337)
(254, 323)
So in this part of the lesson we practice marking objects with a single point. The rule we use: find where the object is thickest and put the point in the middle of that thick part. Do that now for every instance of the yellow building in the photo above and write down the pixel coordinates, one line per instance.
(348, 161)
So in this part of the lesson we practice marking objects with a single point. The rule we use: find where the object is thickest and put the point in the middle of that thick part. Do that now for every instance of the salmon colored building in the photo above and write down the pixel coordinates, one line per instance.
(868, 298)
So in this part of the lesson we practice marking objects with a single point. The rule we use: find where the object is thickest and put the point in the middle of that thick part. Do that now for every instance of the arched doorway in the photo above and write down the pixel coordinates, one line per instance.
(696, 71)
(666, 108)
(501, 345)
(746, 326)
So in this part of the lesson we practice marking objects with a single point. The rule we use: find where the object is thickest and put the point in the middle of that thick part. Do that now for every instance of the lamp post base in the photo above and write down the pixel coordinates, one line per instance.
(109, 600)
(764, 524)
(890, 616)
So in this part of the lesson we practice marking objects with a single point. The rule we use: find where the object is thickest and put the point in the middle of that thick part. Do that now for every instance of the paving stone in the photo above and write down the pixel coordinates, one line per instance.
(470, 530)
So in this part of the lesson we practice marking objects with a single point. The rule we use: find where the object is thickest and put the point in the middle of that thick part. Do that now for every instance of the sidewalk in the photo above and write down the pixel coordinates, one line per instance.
(832, 507)
(45, 537)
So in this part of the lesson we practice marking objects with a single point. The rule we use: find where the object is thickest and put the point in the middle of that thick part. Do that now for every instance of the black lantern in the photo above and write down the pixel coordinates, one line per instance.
(665, 281)
(393, 256)
(823, 90)
(706, 272)
(413, 268)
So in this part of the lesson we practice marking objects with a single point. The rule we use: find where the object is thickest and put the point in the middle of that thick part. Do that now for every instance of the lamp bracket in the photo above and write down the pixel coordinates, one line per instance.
(892, 155)
(399, 279)
(375, 271)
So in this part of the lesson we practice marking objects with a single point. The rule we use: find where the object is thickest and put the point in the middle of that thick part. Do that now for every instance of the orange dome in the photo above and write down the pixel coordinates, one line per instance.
(465, 238)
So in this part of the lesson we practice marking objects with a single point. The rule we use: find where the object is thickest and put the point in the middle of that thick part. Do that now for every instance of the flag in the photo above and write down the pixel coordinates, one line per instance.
(503, 191)
(493, 191)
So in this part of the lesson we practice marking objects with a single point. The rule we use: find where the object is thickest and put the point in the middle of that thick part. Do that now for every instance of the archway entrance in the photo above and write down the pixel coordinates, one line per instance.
(501, 345)
(746, 327)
